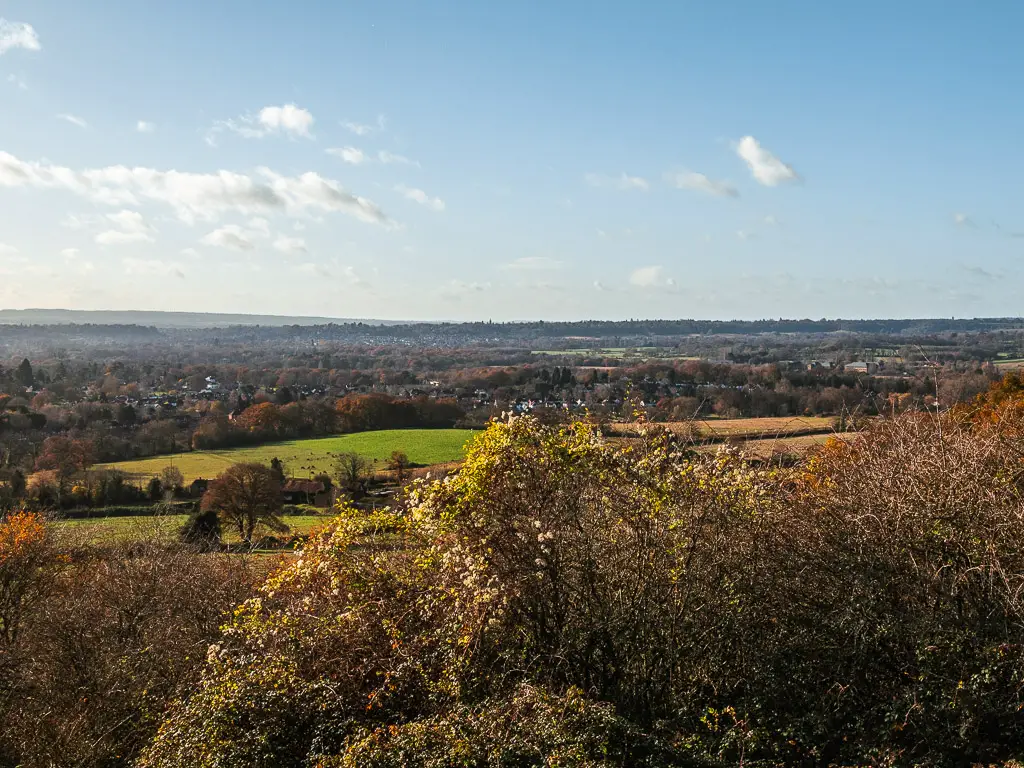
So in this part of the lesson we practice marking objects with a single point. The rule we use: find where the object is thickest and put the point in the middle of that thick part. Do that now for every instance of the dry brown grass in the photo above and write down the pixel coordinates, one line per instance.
(774, 426)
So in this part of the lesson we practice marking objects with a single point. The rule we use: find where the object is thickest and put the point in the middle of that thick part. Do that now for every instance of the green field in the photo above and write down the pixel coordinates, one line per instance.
(305, 458)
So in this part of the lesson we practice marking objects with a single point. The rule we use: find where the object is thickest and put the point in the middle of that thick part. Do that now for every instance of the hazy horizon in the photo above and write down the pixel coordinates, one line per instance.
(460, 161)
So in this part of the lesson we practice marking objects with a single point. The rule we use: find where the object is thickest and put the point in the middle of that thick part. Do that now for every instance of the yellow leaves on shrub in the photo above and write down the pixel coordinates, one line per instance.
(21, 534)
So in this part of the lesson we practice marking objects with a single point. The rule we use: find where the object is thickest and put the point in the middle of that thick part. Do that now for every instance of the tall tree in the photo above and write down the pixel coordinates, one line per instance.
(66, 456)
(24, 375)
(246, 496)
(352, 471)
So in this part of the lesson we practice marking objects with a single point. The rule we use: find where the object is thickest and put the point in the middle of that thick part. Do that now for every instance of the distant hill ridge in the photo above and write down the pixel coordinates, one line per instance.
(578, 331)
(162, 319)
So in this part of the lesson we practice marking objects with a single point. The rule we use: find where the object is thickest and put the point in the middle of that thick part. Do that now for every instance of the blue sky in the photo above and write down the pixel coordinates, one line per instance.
(476, 160)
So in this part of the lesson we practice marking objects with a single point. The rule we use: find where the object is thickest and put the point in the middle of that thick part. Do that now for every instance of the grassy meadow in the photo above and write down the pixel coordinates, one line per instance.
(304, 458)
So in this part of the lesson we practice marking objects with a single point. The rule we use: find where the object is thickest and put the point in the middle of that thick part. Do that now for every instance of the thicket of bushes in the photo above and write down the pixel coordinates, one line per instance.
(563, 601)
(639, 606)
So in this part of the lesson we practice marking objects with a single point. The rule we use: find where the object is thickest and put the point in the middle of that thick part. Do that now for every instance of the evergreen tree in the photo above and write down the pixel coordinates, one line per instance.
(24, 374)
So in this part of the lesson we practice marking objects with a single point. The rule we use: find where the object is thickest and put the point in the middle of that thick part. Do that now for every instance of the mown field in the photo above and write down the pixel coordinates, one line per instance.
(304, 458)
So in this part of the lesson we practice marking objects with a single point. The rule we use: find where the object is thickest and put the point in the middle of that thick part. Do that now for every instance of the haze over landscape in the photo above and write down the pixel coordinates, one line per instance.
(461, 161)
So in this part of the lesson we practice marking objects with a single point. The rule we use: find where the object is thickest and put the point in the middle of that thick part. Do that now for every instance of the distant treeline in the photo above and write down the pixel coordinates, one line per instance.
(489, 332)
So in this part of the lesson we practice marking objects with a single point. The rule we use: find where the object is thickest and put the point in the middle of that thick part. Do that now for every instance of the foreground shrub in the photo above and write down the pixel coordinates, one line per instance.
(863, 607)
(532, 727)
(120, 633)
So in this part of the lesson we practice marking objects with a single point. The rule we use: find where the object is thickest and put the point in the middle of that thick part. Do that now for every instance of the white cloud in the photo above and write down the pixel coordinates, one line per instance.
(702, 183)
(7, 250)
(533, 263)
(963, 220)
(771, 220)
(623, 182)
(15, 34)
(144, 127)
(390, 158)
(69, 253)
(421, 197)
(650, 277)
(291, 120)
(192, 253)
(764, 166)
(131, 228)
(206, 196)
(152, 268)
(358, 128)
(230, 236)
(742, 234)
(350, 155)
(17, 82)
(290, 245)
(356, 156)
(129, 221)
(74, 120)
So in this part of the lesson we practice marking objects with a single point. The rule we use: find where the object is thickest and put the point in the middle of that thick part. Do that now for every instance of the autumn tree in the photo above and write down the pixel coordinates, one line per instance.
(171, 478)
(66, 457)
(245, 497)
(352, 471)
(399, 464)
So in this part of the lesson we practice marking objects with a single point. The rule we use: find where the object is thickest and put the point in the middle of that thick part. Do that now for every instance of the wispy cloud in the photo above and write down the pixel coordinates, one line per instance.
(16, 34)
(358, 128)
(7, 250)
(362, 129)
(290, 245)
(981, 272)
(702, 183)
(17, 82)
(963, 220)
(74, 120)
(290, 120)
(131, 228)
(350, 155)
(623, 181)
(152, 268)
(421, 197)
(765, 167)
(356, 156)
(193, 196)
(144, 126)
(390, 158)
(231, 236)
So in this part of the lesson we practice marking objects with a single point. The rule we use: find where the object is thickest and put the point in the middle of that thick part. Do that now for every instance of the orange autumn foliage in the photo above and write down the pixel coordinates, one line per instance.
(25, 552)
